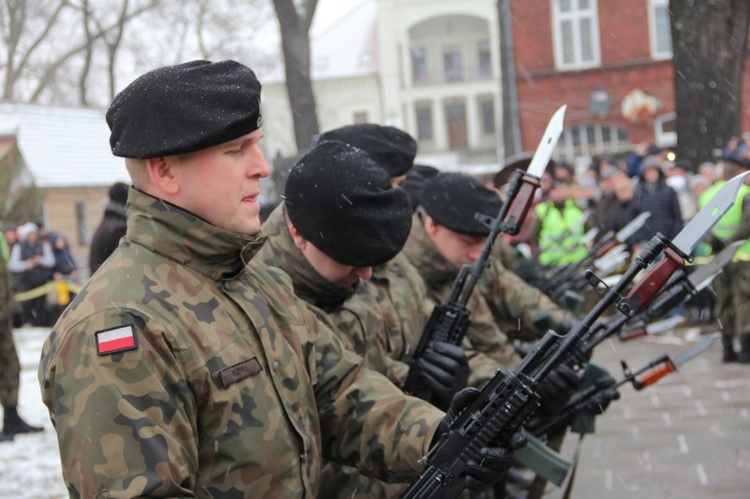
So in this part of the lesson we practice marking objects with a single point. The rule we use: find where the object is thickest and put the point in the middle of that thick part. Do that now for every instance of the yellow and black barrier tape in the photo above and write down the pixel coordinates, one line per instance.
(62, 288)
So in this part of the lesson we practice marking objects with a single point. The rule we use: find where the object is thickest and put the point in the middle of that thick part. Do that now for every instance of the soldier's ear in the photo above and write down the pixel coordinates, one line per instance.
(162, 175)
(430, 225)
(299, 240)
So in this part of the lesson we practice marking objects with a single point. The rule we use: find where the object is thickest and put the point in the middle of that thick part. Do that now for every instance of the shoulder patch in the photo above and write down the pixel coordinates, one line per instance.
(117, 339)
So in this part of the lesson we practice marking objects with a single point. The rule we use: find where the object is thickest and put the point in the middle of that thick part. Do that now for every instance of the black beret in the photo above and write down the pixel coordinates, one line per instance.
(184, 108)
(415, 180)
(118, 193)
(341, 201)
(390, 147)
(452, 200)
(519, 161)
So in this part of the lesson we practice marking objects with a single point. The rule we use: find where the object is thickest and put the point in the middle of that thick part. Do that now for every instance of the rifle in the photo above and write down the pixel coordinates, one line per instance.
(508, 399)
(610, 240)
(681, 287)
(583, 400)
(450, 320)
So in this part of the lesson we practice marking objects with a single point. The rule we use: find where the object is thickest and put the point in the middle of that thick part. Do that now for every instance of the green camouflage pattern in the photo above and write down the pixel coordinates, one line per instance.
(179, 416)
(380, 319)
(10, 367)
(514, 302)
(439, 274)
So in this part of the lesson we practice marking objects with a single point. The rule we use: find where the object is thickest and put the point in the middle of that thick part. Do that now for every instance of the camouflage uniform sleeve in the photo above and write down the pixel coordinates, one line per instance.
(514, 303)
(115, 431)
(486, 337)
(366, 421)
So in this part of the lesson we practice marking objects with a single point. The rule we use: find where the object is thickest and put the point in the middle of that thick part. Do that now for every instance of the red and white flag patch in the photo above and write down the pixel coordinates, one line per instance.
(119, 339)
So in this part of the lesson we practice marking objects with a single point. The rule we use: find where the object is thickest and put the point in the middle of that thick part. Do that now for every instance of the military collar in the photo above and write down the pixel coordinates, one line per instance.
(179, 235)
(422, 253)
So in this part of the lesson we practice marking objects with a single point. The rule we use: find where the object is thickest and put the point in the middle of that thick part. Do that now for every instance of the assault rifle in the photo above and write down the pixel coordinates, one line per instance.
(505, 403)
(560, 275)
(450, 320)
(587, 399)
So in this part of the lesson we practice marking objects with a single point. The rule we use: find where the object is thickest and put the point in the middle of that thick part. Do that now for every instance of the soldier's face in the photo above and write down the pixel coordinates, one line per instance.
(221, 183)
(335, 272)
(457, 248)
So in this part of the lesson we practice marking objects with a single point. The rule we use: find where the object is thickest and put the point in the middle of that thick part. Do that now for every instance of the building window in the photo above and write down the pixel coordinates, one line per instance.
(665, 130)
(82, 222)
(360, 117)
(455, 124)
(419, 65)
(484, 59)
(576, 31)
(487, 111)
(591, 139)
(659, 29)
(452, 63)
(424, 121)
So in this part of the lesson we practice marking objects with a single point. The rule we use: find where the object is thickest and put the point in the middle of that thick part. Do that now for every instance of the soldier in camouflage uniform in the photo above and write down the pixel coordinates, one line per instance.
(10, 368)
(184, 367)
(340, 218)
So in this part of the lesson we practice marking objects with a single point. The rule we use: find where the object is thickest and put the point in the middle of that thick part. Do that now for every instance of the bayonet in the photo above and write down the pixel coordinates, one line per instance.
(672, 363)
(680, 248)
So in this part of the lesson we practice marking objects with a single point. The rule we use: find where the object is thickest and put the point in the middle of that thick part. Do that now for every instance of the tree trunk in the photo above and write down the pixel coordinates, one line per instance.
(709, 44)
(295, 45)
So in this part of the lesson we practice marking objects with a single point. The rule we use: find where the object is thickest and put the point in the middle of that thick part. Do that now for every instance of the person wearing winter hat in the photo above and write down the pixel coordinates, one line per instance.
(10, 368)
(112, 227)
(197, 354)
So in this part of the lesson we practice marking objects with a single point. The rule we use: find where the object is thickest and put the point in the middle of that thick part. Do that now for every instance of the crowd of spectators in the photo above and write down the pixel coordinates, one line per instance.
(35, 258)
(611, 192)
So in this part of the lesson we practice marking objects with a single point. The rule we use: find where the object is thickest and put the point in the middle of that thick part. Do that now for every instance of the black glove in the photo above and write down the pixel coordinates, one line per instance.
(556, 389)
(607, 393)
(444, 370)
(491, 463)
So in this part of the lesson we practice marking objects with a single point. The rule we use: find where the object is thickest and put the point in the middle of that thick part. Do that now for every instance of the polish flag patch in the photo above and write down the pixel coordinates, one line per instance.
(119, 339)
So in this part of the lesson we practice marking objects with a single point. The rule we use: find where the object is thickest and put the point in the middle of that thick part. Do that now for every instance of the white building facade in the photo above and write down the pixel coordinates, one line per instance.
(430, 67)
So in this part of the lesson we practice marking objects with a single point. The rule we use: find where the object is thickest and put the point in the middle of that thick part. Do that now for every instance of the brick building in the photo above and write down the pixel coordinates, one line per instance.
(610, 61)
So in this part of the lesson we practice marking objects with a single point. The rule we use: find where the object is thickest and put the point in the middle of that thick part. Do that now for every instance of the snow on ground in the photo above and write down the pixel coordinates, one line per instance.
(30, 465)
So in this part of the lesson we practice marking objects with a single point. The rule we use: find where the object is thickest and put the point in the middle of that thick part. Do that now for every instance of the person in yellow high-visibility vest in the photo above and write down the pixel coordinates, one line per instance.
(732, 286)
(557, 229)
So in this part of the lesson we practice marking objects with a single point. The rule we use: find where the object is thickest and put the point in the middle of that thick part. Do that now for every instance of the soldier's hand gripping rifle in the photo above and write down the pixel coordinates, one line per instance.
(450, 320)
(589, 399)
(508, 399)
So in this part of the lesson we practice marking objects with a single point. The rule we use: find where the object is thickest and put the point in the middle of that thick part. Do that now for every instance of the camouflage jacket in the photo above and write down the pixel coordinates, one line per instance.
(514, 303)
(7, 302)
(230, 386)
(439, 274)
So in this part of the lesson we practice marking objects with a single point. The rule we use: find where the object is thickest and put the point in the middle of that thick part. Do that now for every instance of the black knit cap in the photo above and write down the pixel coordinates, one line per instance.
(118, 193)
(390, 147)
(452, 199)
(341, 201)
(184, 108)
(415, 180)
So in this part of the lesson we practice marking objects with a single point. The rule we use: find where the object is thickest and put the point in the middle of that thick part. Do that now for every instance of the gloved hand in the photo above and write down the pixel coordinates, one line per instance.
(491, 463)
(556, 389)
(600, 402)
(444, 370)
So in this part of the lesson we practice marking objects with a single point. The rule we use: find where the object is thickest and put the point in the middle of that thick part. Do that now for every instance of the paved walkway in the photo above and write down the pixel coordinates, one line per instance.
(687, 436)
